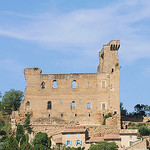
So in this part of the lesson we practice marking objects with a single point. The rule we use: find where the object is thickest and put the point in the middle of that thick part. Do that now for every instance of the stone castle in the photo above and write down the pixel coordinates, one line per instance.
(59, 100)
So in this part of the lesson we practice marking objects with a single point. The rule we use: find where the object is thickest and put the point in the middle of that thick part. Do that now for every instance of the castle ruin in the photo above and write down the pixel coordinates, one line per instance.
(59, 100)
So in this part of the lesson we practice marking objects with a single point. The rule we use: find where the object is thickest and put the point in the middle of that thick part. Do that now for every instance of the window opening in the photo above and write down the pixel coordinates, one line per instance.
(49, 115)
(54, 84)
(62, 115)
(88, 84)
(103, 107)
(88, 105)
(61, 100)
(78, 142)
(68, 142)
(27, 106)
(112, 70)
(49, 77)
(68, 135)
(75, 115)
(89, 115)
(67, 77)
(78, 134)
(49, 105)
(79, 76)
(103, 84)
(79, 85)
(43, 85)
(73, 105)
(74, 84)
(80, 101)
(115, 112)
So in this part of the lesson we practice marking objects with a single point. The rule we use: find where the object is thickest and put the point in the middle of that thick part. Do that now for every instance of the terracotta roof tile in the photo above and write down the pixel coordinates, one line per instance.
(95, 139)
(74, 129)
(128, 131)
(111, 136)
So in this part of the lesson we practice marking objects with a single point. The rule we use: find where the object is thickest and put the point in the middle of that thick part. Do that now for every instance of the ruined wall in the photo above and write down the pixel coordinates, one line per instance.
(95, 94)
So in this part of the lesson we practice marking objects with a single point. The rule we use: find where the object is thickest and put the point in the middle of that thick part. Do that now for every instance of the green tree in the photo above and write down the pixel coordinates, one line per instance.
(27, 124)
(41, 141)
(26, 146)
(123, 110)
(73, 148)
(11, 100)
(10, 144)
(104, 146)
(144, 131)
(0, 94)
(2, 123)
(20, 136)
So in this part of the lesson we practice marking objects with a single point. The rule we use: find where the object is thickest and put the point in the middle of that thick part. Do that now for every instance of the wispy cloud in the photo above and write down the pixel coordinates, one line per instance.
(90, 28)
(11, 65)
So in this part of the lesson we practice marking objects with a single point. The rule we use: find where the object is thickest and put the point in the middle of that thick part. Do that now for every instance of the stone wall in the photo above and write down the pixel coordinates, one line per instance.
(92, 95)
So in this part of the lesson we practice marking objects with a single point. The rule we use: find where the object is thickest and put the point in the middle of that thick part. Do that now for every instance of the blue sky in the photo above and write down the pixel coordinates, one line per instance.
(65, 36)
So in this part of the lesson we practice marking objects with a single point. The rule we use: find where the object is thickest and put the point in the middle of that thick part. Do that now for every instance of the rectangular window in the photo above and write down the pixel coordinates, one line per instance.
(78, 142)
(130, 136)
(78, 135)
(103, 84)
(68, 142)
(130, 143)
(103, 107)
(88, 105)
(68, 135)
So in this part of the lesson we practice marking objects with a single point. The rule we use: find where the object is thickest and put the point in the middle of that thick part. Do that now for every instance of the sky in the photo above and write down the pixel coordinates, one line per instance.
(65, 36)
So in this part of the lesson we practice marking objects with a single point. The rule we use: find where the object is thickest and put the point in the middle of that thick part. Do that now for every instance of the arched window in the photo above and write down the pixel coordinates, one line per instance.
(43, 85)
(115, 112)
(54, 84)
(88, 105)
(74, 84)
(27, 106)
(49, 105)
(73, 105)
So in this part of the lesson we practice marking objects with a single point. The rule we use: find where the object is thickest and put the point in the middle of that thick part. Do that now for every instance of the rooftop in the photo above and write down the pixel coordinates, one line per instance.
(128, 131)
(74, 129)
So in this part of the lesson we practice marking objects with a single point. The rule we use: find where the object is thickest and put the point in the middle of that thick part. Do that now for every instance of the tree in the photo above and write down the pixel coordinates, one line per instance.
(26, 146)
(144, 131)
(104, 146)
(122, 110)
(41, 141)
(73, 148)
(10, 144)
(0, 94)
(141, 110)
(27, 124)
(20, 136)
(11, 100)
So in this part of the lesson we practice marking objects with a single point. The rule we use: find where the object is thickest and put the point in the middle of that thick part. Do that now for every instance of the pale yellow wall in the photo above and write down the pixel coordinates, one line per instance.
(125, 140)
(73, 137)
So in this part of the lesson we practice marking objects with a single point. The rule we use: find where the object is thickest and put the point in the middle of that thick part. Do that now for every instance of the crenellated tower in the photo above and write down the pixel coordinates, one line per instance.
(108, 57)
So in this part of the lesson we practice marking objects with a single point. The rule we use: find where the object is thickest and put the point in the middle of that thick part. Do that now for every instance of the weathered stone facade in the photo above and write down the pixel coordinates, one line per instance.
(59, 100)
